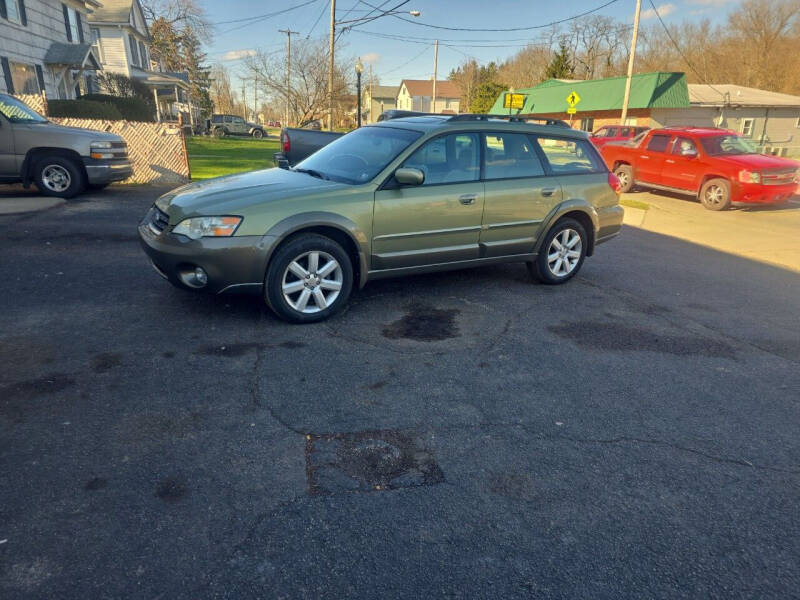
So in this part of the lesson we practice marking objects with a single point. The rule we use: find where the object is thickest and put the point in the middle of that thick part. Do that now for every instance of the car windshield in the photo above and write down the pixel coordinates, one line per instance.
(18, 112)
(359, 155)
(725, 145)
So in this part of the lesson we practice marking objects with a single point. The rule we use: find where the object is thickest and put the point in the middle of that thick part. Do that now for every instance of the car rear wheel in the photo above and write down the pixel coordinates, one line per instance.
(258, 134)
(561, 254)
(58, 176)
(220, 132)
(716, 194)
(309, 279)
(625, 175)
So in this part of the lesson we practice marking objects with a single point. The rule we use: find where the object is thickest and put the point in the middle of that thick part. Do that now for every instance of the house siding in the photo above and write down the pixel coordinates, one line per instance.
(114, 49)
(405, 101)
(29, 43)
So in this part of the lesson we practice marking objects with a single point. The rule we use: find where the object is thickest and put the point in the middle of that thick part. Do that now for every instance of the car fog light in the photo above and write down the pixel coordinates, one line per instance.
(201, 276)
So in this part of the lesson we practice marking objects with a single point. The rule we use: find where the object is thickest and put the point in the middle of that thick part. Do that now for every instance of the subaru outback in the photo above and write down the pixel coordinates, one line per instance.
(405, 196)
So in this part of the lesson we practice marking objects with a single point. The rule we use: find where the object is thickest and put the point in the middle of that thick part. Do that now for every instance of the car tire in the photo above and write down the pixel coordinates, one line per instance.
(716, 194)
(220, 132)
(59, 176)
(553, 265)
(625, 175)
(295, 288)
(258, 134)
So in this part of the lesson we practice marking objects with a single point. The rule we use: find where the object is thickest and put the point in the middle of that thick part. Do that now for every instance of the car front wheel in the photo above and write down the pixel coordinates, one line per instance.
(561, 254)
(58, 176)
(716, 194)
(258, 134)
(309, 279)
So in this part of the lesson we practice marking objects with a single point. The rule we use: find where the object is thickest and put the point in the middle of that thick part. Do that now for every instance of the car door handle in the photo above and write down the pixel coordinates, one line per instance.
(467, 198)
(670, 161)
(644, 156)
(548, 191)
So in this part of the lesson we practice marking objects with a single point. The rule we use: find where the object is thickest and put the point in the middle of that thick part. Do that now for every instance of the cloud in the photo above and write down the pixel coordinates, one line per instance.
(237, 54)
(371, 58)
(663, 11)
(711, 2)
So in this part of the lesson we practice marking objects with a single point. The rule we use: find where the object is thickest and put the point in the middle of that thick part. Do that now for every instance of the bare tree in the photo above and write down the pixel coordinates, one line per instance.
(179, 14)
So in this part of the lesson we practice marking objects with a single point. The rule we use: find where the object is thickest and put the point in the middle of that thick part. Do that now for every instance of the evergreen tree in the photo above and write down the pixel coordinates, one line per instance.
(193, 59)
(561, 66)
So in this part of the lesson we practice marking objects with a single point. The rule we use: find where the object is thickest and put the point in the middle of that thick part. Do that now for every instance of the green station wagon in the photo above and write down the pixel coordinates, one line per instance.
(404, 196)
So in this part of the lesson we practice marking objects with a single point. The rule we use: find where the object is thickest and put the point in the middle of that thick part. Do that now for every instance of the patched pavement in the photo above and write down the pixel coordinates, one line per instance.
(467, 434)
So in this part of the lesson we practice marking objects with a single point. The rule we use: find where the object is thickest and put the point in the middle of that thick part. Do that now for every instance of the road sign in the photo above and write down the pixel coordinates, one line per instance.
(572, 110)
(573, 99)
(513, 100)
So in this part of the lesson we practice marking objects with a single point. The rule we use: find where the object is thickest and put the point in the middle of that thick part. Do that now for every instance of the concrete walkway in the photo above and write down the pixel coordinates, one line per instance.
(764, 233)
(10, 205)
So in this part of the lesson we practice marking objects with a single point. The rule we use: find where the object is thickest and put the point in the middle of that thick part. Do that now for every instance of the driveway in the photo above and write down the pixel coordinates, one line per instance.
(466, 435)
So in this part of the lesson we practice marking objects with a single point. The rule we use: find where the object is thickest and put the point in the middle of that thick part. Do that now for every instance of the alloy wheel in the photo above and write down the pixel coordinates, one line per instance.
(715, 195)
(56, 178)
(564, 252)
(312, 282)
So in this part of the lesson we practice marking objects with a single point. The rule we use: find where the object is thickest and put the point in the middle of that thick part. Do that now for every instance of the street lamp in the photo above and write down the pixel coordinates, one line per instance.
(359, 70)
(413, 13)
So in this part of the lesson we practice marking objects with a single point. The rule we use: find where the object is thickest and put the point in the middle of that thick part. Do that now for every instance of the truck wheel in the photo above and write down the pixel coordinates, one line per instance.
(309, 279)
(58, 176)
(220, 132)
(625, 175)
(561, 254)
(258, 134)
(716, 194)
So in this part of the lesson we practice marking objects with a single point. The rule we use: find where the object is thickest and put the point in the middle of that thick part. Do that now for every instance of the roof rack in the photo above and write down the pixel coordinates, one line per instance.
(510, 118)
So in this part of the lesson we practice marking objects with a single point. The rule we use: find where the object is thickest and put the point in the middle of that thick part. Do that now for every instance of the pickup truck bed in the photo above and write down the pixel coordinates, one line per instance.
(297, 144)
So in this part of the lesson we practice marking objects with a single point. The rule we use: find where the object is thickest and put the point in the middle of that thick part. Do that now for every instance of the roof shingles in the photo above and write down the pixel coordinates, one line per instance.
(424, 87)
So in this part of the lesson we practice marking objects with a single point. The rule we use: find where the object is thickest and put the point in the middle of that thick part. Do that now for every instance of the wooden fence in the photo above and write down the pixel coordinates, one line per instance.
(157, 150)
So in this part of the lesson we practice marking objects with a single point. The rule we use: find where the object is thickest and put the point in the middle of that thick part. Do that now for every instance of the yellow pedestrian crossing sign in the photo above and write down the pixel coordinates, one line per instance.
(572, 110)
(573, 99)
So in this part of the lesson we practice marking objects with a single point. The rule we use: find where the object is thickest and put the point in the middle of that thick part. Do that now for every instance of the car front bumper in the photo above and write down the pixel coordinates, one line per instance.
(231, 264)
(755, 193)
(99, 172)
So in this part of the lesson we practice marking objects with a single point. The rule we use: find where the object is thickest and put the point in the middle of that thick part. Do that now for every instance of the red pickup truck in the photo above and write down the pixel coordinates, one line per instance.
(715, 165)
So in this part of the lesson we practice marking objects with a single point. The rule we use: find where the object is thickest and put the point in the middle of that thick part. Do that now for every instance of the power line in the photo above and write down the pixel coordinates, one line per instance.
(683, 56)
(408, 62)
(259, 18)
(544, 26)
(322, 12)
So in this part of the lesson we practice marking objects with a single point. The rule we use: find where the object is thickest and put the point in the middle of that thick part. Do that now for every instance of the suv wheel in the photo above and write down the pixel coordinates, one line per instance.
(58, 176)
(309, 279)
(258, 134)
(625, 175)
(219, 132)
(716, 194)
(561, 254)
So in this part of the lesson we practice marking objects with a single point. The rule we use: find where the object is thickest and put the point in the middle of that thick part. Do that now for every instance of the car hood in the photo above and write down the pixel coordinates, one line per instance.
(758, 162)
(230, 194)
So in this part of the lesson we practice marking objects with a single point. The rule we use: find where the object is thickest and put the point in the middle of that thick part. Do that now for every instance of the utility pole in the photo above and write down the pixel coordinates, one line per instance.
(630, 61)
(371, 116)
(255, 96)
(330, 64)
(244, 102)
(289, 34)
(435, 73)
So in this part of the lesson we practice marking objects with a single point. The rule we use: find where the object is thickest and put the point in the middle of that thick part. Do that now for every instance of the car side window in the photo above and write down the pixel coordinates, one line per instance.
(238, 120)
(570, 157)
(453, 158)
(510, 155)
(625, 132)
(228, 119)
(684, 146)
(216, 119)
(658, 143)
(612, 132)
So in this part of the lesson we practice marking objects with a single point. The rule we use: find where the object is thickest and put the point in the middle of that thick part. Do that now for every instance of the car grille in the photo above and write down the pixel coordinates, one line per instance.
(782, 177)
(119, 150)
(156, 220)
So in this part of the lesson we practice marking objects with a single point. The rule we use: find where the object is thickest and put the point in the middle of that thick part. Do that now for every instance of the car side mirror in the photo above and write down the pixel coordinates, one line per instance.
(409, 176)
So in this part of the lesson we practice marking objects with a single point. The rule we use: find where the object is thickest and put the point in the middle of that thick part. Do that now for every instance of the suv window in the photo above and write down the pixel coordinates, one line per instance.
(216, 119)
(228, 119)
(511, 155)
(658, 143)
(684, 146)
(450, 158)
(570, 157)
(238, 120)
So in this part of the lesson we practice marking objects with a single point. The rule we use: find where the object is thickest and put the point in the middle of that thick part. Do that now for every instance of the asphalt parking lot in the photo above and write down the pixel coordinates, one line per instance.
(632, 434)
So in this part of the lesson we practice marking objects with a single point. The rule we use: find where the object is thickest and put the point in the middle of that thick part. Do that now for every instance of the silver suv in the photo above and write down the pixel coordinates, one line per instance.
(61, 161)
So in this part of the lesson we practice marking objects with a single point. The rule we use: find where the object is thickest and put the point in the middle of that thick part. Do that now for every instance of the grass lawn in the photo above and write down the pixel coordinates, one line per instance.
(211, 157)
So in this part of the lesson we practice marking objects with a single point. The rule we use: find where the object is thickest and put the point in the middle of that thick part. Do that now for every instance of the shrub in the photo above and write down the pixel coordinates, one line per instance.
(83, 109)
(132, 109)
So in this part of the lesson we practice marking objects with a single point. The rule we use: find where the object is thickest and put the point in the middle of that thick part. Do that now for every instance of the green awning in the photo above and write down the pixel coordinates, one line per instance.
(648, 90)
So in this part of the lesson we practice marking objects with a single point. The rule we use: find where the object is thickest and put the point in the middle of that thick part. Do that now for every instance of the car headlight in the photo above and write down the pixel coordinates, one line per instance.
(100, 145)
(96, 150)
(197, 227)
(749, 176)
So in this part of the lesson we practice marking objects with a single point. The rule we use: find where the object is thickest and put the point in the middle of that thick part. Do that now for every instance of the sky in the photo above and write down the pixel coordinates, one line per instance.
(408, 53)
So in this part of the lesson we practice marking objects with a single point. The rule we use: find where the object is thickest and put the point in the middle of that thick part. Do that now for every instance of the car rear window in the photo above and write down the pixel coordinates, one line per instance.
(570, 157)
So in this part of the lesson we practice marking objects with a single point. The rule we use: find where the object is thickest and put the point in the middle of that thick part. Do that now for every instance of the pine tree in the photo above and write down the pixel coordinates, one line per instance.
(193, 59)
(561, 66)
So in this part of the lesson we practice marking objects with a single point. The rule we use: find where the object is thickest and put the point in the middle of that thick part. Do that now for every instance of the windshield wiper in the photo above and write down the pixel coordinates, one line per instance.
(312, 172)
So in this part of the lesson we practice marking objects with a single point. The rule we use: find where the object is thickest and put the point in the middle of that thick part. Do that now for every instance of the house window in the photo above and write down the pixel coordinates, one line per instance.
(12, 11)
(587, 124)
(747, 127)
(134, 50)
(74, 28)
(143, 55)
(24, 78)
(94, 32)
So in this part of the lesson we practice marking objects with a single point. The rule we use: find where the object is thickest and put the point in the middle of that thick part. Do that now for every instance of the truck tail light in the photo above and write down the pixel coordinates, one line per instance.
(615, 184)
(287, 143)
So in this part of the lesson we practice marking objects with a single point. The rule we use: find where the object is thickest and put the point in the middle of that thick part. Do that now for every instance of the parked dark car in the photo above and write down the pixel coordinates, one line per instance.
(222, 125)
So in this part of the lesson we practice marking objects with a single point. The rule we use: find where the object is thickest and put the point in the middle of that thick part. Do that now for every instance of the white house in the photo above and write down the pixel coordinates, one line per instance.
(121, 38)
(44, 47)
(416, 94)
